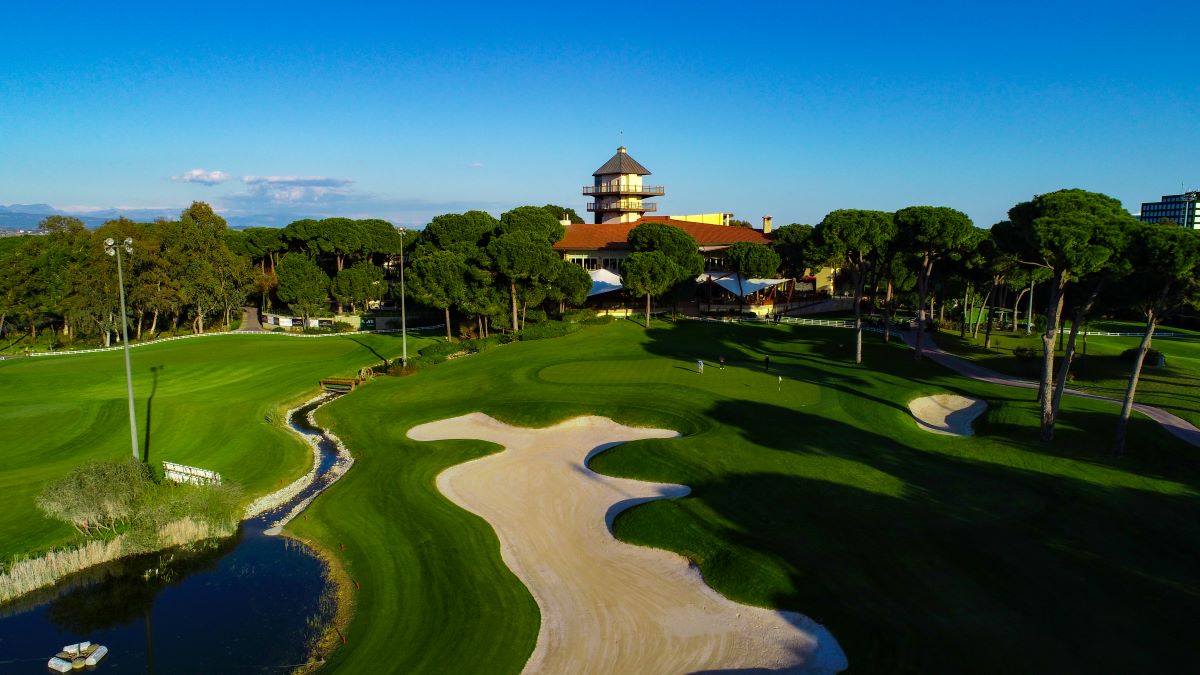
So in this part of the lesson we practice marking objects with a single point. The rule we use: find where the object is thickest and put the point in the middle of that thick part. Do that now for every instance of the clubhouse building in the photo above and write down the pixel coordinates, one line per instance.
(619, 204)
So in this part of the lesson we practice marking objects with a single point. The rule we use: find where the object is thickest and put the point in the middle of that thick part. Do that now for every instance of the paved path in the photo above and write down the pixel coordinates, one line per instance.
(250, 323)
(1177, 426)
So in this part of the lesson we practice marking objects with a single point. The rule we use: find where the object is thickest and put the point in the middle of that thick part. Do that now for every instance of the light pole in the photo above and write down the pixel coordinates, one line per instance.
(112, 248)
(403, 317)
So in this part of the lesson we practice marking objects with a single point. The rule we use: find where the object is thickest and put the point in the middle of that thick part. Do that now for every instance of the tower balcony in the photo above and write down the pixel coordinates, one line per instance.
(619, 189)
(624, 207)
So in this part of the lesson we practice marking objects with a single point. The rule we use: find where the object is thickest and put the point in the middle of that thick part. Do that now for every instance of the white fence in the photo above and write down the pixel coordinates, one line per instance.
(182, 473)
(135, 345)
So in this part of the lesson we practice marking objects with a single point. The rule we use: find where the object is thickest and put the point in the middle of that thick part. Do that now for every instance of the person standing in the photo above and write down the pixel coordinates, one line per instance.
(722, 362)
(700, 366)
(767, 363)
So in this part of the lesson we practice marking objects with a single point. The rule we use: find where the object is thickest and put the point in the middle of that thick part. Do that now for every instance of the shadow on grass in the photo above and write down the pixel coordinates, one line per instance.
(973, 567)
(924, 562)
(154, 370)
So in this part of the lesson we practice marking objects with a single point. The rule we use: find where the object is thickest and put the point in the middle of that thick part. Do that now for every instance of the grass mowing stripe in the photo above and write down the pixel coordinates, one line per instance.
(200, 402)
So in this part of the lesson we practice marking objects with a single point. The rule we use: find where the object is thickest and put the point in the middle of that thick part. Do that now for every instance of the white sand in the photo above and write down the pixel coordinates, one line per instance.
(948, 414)
(606, 606)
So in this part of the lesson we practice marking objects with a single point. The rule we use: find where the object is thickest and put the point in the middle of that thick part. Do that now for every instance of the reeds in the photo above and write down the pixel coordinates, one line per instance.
(26, 575)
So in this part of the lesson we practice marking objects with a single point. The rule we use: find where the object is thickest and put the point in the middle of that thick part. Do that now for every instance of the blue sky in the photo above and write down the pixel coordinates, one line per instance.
(792, 109)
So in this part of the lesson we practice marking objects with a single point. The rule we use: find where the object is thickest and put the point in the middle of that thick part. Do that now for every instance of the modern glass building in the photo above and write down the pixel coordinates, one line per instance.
(1183, 209)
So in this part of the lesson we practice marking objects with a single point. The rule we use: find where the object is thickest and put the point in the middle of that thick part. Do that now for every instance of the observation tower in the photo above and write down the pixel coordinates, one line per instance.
(618, 190)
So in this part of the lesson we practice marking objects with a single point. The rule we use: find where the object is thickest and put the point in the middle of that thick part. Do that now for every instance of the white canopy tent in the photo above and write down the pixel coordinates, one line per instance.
(738, 285)
(604, 281)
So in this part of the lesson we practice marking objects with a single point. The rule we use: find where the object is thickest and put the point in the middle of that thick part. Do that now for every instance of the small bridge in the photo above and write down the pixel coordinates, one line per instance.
(341, 385)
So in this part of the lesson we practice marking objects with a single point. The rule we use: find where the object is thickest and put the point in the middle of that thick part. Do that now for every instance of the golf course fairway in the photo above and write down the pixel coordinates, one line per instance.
(812, 490)
(202, 402)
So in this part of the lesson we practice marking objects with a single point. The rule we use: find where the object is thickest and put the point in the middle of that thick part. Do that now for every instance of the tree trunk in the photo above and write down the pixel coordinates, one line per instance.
(512, 289)
(340, 260)
(647, 311)
(982, 307)
(154, 323)
(447, 308)
(1016, 308)
(922, 291)
(524, 306)
(1053, 312)
(887, 313)
(858, 289)
(1069, 355)
(138, 335)
(966, 312)
(1131, 391)
(987, 334)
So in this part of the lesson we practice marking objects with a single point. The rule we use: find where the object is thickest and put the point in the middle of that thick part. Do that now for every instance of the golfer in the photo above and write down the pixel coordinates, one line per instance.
(700, 366)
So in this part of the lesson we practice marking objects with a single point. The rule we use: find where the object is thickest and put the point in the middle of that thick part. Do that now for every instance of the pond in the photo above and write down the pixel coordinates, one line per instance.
(249, 604)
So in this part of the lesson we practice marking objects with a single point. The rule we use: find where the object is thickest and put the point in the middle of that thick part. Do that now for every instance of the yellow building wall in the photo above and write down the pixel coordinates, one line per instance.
(707, 218)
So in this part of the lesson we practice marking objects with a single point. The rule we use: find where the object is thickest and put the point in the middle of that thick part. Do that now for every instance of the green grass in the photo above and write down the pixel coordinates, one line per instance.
(201, 402)
(1102, 371)
(921, 553)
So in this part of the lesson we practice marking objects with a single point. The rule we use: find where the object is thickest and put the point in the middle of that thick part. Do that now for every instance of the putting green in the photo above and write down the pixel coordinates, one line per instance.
(920, 553)
(201, 401)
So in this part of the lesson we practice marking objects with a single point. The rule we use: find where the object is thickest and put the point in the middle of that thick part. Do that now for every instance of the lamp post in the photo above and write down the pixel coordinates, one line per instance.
(114, 249)
(403, 317)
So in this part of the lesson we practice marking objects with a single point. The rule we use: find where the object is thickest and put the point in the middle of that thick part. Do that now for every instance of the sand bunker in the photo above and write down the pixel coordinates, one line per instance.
(609, 607)
(948, 414)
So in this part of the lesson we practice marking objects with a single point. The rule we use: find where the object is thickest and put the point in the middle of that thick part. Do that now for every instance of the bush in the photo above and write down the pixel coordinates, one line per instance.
(1025, 353)
(598, 320)
(579, 315)
(1153, 356)
(535, 315)
(278, 329)
(440, 351)
(343, 327)
(546, 330)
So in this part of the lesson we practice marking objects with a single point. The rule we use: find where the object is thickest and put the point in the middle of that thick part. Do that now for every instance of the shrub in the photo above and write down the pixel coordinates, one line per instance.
(535, 315)
(598, 320)
(1025, 353)
(343, 327)
(278, 329)
(548, 329)
(579, 315)
(440, 351)
(1153, 356)
(97, 495)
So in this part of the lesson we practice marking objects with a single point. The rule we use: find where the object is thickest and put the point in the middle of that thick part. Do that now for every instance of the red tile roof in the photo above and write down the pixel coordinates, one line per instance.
(615, 236)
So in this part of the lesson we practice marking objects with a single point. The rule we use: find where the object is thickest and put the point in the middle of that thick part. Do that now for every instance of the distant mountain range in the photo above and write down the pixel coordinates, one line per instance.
(27, 216)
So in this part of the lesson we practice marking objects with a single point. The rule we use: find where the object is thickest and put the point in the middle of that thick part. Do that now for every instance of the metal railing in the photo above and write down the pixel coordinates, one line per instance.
(619, 189)
(622, 206)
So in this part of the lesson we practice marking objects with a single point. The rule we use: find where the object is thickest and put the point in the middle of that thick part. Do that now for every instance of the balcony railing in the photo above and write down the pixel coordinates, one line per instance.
(623, 206)
(621, 189)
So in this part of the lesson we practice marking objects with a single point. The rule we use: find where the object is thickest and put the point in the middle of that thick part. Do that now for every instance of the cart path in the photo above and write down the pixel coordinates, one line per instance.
(607, 606)
(1175, 425)
(250, 322)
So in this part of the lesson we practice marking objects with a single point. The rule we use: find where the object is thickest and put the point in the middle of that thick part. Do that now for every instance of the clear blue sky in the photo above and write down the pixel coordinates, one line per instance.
(792, 109)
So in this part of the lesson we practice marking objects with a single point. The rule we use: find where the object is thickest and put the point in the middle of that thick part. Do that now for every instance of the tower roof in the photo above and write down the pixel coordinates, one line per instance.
(621, 163)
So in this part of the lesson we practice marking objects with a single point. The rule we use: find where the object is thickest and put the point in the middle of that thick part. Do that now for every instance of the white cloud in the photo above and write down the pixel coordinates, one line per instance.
(202, 176)
(297, 181)
(292, 190)
(476, 165)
